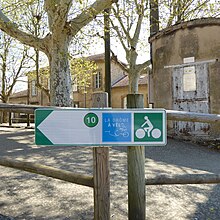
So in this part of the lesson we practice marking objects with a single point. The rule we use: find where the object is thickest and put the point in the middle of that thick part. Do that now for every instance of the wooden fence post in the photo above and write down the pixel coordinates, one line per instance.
(136, 170)
(101, 169)
(9, 119)
(101, 183)
(1, 117)
(28, 120)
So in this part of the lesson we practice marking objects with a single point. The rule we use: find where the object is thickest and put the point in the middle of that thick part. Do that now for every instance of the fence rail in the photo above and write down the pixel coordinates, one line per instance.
(171, 114)
(68, 176)
(192, 116)
(87, 180)
(18, 108)
(184, 179)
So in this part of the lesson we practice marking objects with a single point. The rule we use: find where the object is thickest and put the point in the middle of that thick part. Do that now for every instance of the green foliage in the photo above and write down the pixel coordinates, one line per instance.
(44, 73)
(82, 71)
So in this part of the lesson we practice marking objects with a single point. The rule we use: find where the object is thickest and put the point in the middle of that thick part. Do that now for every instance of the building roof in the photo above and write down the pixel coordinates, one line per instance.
(125, 81)
(101, 57)
(20, 94)
(201, 22)
(97, 57)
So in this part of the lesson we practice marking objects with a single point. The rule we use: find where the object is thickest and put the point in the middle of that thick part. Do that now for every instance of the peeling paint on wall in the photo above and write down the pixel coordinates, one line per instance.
(196, 100)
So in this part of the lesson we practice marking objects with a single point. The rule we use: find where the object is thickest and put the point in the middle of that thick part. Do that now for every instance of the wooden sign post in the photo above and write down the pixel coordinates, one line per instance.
(101, 170)
(136, 170)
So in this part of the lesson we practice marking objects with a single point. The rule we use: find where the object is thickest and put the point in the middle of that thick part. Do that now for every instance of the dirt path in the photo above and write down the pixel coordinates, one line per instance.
(30, 196)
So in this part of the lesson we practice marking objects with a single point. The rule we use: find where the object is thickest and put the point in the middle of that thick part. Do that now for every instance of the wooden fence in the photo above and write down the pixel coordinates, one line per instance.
(171, 114)
(100, 179)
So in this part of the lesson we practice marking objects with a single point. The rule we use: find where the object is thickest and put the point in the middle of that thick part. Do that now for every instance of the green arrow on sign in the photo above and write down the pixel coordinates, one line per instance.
(40, 116)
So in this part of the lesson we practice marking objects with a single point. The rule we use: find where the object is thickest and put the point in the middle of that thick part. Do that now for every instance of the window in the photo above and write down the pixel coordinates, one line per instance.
(97, 80)
(74, 86)
(189, 75)
(189, 79)
(151, 105)
(76, 104)
(33, 88)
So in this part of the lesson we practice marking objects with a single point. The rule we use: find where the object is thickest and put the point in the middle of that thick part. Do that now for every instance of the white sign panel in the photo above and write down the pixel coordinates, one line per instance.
(100, 127)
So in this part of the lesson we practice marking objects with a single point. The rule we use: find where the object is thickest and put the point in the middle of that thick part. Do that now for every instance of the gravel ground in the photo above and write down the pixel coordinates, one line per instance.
(29, 196)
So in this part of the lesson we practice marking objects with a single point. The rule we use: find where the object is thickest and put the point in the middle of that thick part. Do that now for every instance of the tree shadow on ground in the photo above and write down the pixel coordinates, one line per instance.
(210, 208)
(184, 202)
(30, 196)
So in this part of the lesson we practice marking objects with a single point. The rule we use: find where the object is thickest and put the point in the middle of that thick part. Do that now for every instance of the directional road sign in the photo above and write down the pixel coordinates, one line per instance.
(100, 127)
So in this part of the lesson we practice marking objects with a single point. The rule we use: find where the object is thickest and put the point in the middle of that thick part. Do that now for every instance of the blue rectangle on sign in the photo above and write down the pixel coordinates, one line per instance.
(116, 127)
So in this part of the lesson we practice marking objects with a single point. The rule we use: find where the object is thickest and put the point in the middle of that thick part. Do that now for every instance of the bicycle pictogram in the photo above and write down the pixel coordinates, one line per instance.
(148, 128)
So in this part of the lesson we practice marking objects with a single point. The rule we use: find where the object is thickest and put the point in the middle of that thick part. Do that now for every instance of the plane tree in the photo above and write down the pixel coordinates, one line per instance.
(35, 24)
(128, 21)
(65, 19)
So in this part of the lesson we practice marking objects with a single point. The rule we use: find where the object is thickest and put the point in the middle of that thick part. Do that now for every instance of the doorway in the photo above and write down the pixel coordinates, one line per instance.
(191, 94)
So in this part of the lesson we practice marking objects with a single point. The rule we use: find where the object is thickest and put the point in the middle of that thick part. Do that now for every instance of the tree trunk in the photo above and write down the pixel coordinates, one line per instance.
(60, 77)
(5, 98)
(154, 17)
(133, 73)
(133, 81)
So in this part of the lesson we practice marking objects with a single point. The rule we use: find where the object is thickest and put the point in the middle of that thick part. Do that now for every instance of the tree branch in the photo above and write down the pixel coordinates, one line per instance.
(142, 66)
(57, 14)
(122, 25)
(11, 29)
(87, 15)
(196, 8)
(119, 36)
(137, 31)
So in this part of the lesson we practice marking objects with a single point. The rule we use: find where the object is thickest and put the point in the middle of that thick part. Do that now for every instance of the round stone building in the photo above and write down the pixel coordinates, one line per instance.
(186, 73)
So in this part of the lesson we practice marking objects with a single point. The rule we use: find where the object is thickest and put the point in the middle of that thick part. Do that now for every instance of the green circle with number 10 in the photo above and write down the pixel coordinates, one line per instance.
(91, 120)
